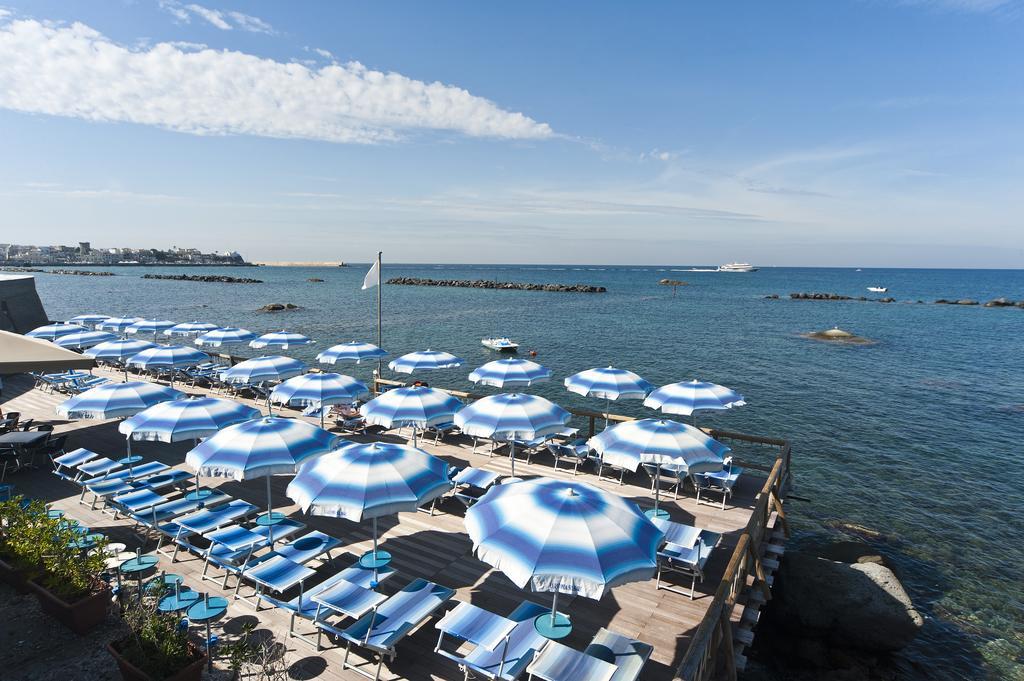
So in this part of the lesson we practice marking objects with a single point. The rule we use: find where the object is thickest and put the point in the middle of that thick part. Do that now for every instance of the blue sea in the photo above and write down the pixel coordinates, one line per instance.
(917, 436)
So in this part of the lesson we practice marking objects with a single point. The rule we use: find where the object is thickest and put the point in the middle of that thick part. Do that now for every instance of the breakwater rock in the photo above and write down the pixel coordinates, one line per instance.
(79, 273)
(211, 278)
(316, 280)
(967, 302)
(672, 282)
(837, 335)
(504, 285)
(278, 307)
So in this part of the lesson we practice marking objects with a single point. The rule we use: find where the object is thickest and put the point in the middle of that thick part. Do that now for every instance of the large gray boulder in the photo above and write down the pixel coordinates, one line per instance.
(861, 605)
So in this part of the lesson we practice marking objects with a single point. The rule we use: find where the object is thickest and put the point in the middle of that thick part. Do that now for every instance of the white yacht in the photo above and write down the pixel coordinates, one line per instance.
(878, 289)
(737, 267)
(503, 344)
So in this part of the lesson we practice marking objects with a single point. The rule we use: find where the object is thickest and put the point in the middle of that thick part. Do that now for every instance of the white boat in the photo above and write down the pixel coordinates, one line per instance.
(878, 289)
(737, 267)
(503, 344)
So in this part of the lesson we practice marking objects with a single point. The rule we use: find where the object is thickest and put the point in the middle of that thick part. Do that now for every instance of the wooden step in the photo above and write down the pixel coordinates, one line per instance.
(770, 564)
(740, 661)
(774, 549)
(779, 534)
(751, 614)
(755, 597)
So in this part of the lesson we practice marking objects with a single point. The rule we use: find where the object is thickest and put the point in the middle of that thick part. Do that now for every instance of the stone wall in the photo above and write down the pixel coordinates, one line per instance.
(20, 307)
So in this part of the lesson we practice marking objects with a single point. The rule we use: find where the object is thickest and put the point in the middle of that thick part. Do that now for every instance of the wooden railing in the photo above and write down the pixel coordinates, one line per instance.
(710, 654)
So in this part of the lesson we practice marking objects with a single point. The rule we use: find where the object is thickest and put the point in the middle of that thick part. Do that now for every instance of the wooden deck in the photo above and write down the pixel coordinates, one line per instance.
(433, 547)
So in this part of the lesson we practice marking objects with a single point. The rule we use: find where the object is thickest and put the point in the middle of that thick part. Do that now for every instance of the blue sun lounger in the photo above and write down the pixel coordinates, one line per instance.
(227, 553)
(503, 646)
(181, 529)
(177, 507)
(687, 560)
(380, 630)
(121, 481)
(65, 467)
(306, 607)
(95, 469)
(628, 655)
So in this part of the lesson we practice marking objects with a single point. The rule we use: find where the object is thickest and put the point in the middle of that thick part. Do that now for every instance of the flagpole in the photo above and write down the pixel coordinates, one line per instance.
(380, 362)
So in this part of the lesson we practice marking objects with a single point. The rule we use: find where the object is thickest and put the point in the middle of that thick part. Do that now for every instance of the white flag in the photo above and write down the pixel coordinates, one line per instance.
(371, 278)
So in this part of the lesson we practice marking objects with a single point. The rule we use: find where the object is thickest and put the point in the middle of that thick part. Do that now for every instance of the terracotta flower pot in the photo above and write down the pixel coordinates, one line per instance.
(129, 672)
(82, 616)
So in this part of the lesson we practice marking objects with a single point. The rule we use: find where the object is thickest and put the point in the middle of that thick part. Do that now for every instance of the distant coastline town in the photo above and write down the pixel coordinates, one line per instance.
(17, 255)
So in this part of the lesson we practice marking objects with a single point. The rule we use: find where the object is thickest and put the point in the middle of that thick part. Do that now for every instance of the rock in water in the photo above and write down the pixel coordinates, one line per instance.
(861, 606)
(837, 335)
(278, 307)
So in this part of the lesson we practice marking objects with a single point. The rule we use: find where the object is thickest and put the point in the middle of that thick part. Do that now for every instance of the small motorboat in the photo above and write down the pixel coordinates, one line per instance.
(878, 289)
(503, 344)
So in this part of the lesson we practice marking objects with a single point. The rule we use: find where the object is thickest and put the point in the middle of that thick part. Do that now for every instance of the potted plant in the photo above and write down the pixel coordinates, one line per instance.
(255, 658)
(157, 647)
(22, 524)
(68, 586)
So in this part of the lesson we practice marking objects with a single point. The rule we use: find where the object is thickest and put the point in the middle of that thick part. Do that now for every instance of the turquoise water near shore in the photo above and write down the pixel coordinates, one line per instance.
(918, 436)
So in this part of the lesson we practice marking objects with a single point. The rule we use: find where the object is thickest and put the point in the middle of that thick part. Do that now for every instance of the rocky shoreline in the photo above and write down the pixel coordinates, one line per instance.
(997, 302)
(503, 285)
(79, 273)
(211, 278)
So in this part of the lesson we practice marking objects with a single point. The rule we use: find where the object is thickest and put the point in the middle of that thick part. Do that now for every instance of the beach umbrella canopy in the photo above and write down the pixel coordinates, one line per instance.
(153, 326)
(281, 339)
(260, 448)
(228, 335)
(190, 418)
(423, 361)
(562, 537)
(509, 372)
(314, 389)
(511, 417)
(608, 384)
(416, 406)
(117, 324)
(54, 331)
(168, 357)
(89, 319)
(116, 400)
(84, 339)
(266, 368)
(118, 350)
(658, 442)
(190, 329)
(353, 351)
(369, 480)
(687, 397)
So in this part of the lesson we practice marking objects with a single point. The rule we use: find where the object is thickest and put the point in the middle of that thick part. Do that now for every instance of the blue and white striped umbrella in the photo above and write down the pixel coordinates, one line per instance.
(168, 357)
(416, 406)
(353, 351)
(117, 324)
(89, 319)
(608, 384)
(369, 480)
(318, 390)
(658, 442)
(190, 329)
(563, 537)
(190, 418)
(261, 369)
(84, 339)
(509, 372)
(153, 326)
(511, 417)
(118, 350)
(229, 335)
(423, 361)
(689, 396)
(54, 331)
(281, 339)
(116, 400)
(260, 448)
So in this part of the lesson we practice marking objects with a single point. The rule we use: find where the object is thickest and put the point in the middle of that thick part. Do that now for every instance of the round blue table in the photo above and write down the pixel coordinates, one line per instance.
(555, 629)
(168, 579)
(135, 567)
(657, 514)
(270, 519)
(87, 541)
(129, 460)
(207, 610)
(199, 494)
(180, 600)
(374, 561)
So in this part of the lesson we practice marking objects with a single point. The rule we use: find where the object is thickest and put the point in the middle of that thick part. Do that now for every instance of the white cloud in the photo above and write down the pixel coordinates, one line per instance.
(225, 21)
(323, 53)
(73, 70)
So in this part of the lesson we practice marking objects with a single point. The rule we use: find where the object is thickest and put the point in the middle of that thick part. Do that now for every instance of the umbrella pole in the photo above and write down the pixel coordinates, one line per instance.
(657, 486)
(554, 608)
(128, 446)
(512, 456)
(270, 516)
(414, 435)
(607, 411)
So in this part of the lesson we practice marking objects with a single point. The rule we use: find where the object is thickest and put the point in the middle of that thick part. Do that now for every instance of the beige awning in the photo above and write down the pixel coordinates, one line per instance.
(20, 354)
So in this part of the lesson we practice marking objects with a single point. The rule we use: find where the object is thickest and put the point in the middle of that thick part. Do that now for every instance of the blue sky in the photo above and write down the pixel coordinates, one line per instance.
(860, 133)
